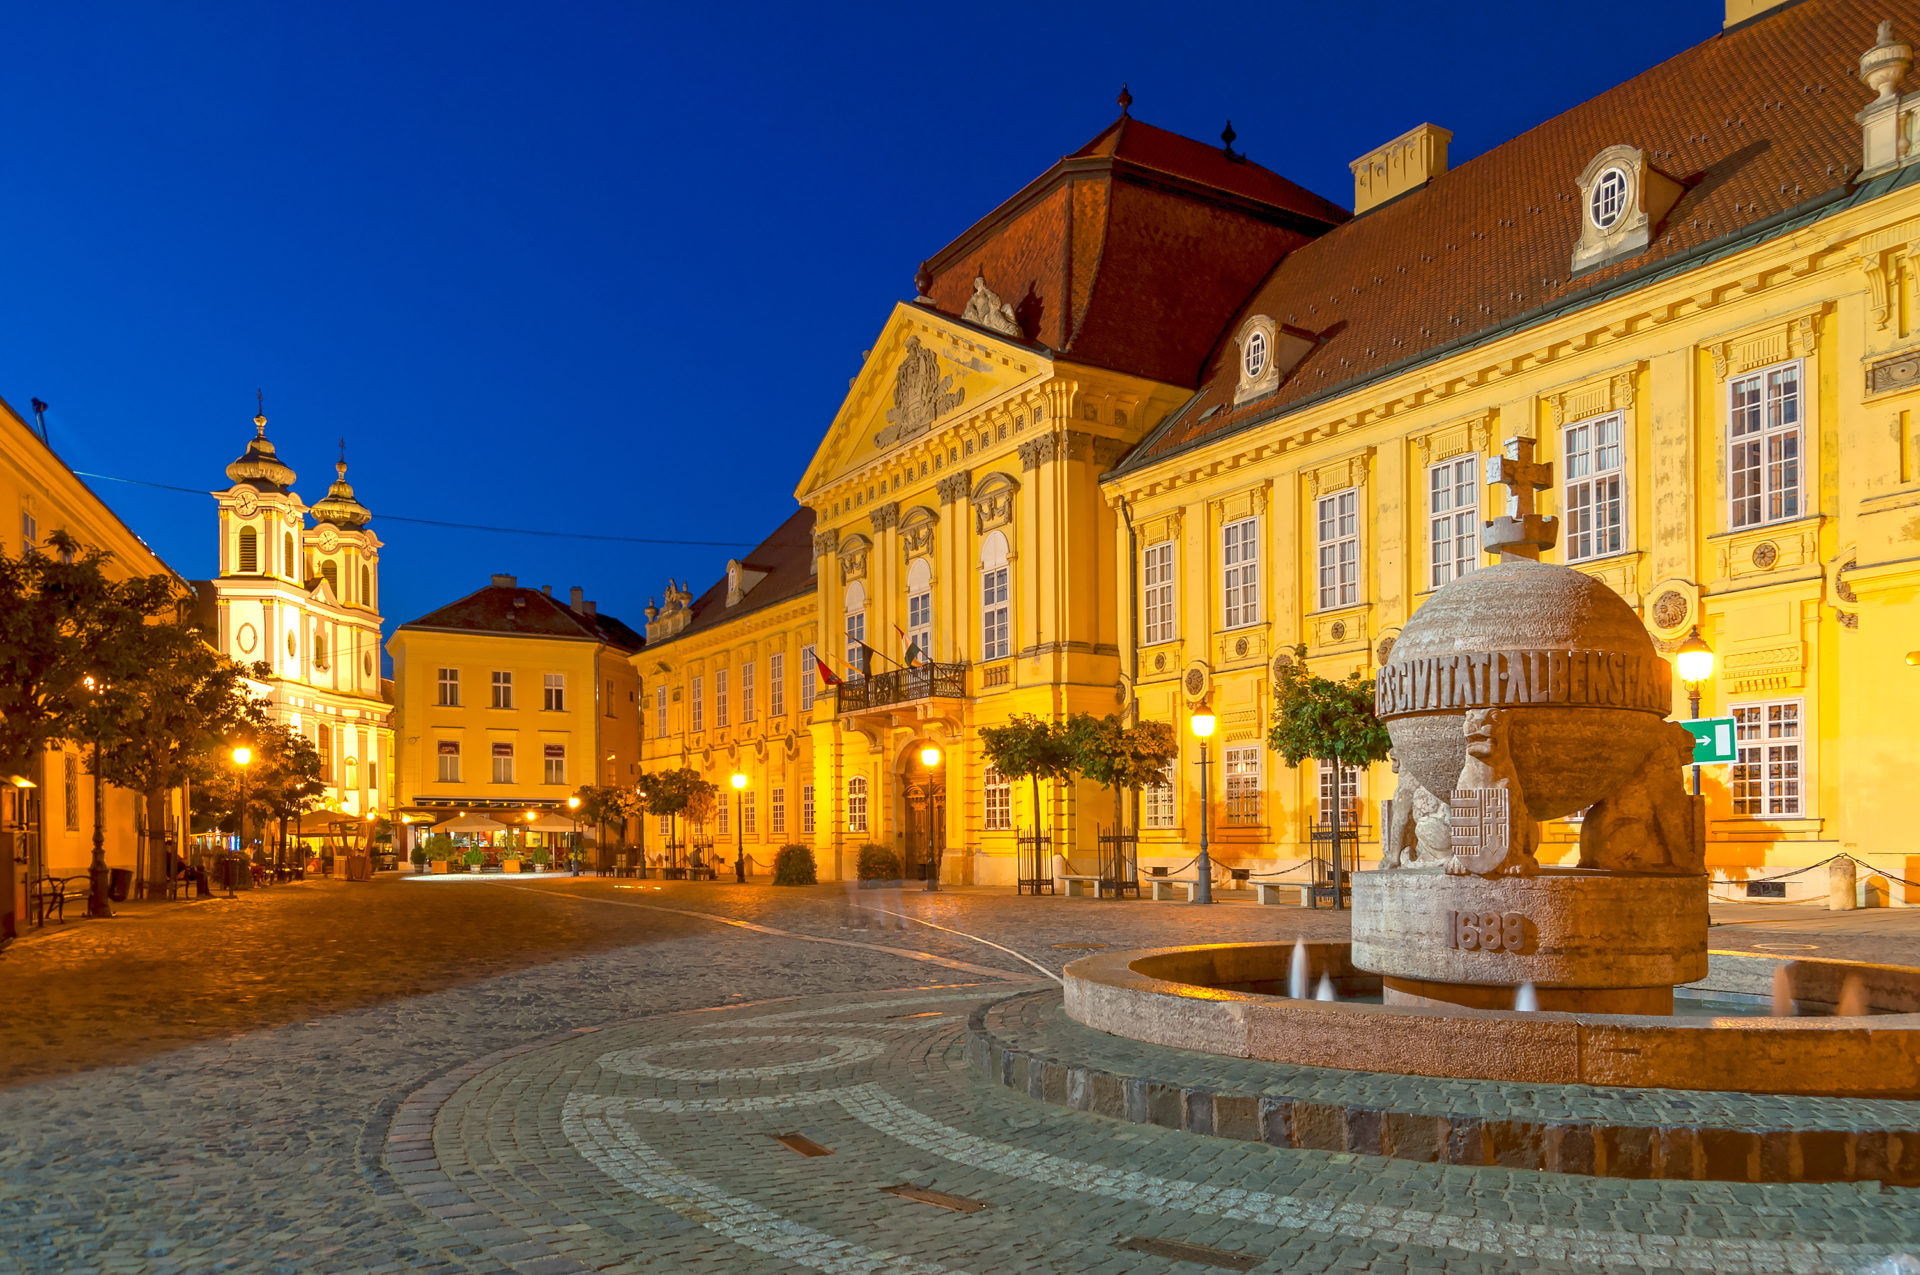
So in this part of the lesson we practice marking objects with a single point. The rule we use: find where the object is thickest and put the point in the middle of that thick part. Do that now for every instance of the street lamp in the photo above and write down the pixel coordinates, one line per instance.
(739, 829)
(573, 808)
(1201, 724)
(1695, 659)
(97, 869)
(242, 757)
(930, 758)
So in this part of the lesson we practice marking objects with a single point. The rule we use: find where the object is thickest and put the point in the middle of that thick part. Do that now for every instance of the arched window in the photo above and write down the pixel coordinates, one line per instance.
(249, 550)
(319, 650)
(366, 587)
(332, 573)
(857, 629)
(289, 565)
(857, 804)
(995, 610)
(919, 612)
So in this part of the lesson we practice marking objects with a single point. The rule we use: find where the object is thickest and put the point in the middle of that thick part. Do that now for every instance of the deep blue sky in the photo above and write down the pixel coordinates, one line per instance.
(607, 268)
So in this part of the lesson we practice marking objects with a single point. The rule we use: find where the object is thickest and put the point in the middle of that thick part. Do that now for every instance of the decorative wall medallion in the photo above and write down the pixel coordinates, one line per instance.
(1196, 682)
(1338, 632)
(246, 638)
(1240, 647)
(1384, 651)
(1894, 374)
(1765, 554)
(1281, 662)
(921, 395)
(290, 646)
(366, 664)
(1159, 662)
(1669, 609)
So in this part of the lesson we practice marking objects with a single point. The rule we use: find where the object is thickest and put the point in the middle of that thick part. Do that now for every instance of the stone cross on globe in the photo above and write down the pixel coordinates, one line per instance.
(1520, 532)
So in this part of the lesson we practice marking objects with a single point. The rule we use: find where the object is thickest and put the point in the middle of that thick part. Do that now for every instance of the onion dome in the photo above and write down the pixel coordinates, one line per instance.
(259, 467)
(338, 506)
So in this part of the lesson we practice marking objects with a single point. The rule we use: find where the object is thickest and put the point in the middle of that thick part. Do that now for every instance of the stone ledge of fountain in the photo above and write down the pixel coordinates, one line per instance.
(1028, 1043)
(1222, 999)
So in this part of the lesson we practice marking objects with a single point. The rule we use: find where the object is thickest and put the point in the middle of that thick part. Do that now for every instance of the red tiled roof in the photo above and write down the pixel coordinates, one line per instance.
(787, 558)
(511, 611)
(1139, 221)
(1755, 121)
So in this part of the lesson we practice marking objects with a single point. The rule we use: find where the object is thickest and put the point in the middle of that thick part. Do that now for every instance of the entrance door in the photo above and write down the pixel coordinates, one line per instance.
(924, 817)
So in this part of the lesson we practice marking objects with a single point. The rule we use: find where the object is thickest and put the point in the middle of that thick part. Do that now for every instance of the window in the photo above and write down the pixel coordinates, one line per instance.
(856, 629)
(699, 708)
(324, 743)
(502, 689)
(666, 825)
(809, 677)
(1339, 528)
(1240, 573)
(1453, 518)
(720, 697)
(919, 611)
(660, 712)
(288, 566)
(995, 610)
(366, 587)
(999, 801)
(777, 684)
(1766, 772)
(777, 811)
(1256, 355)
(1593, 513)
(449, 761)
(1349, 796)
(503, 763)
(1609, 199)
(746, 691)
(857, 804)
(70, 778)
(1763, 446)
(319, 648)
(330, 572)
(553, 693)
(749, 818)
(1241, 766)
(1159, 805)
(1157, 569)
(29, 533)
(449, 688)
(249, 550)
(726, 816)
(555, 758)
(609, 698)
(806, 810)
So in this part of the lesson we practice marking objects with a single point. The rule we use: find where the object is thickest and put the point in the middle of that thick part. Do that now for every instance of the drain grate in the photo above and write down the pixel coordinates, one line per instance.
(801, 1143)
(958, 1203)
(1176, 1251)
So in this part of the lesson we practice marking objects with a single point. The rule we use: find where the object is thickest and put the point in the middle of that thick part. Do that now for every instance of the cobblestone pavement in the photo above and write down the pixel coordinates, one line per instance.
(273, 1085)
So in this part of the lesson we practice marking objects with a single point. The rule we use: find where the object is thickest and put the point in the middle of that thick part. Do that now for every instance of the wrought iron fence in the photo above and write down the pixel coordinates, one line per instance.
(901, 686)
(1035, 860)
(1119, 864)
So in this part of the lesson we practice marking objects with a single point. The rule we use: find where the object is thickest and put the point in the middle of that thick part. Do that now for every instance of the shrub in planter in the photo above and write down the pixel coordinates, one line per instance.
(541, 858)
(419, 857)
(793, 865)
(877, 863)
(474, 858)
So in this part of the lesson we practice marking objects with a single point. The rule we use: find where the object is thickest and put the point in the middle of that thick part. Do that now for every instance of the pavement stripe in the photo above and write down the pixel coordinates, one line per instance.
(972, 937)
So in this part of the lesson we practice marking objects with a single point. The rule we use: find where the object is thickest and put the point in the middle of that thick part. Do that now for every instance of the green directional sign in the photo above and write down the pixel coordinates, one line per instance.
(1712, 740)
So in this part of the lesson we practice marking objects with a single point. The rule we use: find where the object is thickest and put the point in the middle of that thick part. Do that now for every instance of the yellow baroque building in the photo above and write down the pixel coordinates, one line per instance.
(954, 507)
(1696, 295)
(509, 700)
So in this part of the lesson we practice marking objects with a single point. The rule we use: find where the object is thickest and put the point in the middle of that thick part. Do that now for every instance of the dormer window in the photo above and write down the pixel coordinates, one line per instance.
(1255, 358)
(1625, 198)
(1609, 199)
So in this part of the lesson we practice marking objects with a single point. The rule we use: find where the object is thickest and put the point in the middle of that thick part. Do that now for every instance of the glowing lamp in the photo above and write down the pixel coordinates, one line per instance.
(930, 756)
(739, 780)
(1913, 657)
(1201, 724)
(573, 803)
(21, 781)
(1695, 658)
(242, 755)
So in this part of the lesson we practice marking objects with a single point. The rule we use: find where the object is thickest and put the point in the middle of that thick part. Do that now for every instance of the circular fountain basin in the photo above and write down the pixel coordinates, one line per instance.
(1229, 999)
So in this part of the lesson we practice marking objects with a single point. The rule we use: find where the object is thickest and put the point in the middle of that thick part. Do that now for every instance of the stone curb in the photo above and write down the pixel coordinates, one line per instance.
(1669, 1151)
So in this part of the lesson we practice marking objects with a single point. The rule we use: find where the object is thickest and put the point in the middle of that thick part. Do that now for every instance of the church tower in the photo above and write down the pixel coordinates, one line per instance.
(305, 602)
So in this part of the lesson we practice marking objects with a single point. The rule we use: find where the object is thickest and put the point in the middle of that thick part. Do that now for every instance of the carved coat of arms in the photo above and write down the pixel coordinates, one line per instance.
(920, 395)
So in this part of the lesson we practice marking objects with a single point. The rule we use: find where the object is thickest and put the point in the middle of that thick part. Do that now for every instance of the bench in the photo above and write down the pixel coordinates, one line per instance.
(1163, 886)
(1281, 892)
(50, 894)
(1080, 887)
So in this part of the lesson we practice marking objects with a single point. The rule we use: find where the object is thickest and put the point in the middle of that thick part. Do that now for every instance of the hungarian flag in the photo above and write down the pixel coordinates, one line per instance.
(915, 655)
(826, 674)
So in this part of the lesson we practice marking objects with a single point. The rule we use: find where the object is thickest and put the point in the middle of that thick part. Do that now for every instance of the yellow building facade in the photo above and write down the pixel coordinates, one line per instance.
(511, 700)
(1718, 357)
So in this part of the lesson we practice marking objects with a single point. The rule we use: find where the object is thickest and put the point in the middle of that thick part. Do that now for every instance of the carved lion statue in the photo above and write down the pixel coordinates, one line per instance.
(1489, 801)
(1646, 824)
(1417, 833)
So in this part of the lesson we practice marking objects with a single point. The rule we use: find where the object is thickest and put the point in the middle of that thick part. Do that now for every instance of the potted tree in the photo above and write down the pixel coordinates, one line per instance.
(1122, 759)
(510, 851)
(1029, 748)
(474, 858)
(1329, 722)
(439, 853)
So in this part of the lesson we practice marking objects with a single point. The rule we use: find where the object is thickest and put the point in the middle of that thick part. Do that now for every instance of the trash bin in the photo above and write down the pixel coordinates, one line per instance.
(120, 884)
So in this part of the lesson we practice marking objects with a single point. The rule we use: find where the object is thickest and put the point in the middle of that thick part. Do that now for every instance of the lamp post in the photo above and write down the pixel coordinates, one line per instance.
(930, 758)
(739, 829)
(641, 793)
(1696, 666)
(97, 904)
(1201, 724)
(242, 756)
(573, 809)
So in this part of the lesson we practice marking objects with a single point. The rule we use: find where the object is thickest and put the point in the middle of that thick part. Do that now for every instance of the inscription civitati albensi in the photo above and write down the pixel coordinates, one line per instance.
(1490, 932)
(1491, 679)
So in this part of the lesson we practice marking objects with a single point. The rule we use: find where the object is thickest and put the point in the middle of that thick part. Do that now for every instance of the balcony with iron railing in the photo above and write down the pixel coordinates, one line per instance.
(901, 686)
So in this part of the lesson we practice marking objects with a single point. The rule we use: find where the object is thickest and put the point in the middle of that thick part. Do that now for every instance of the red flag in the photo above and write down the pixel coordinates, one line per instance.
(826, 674)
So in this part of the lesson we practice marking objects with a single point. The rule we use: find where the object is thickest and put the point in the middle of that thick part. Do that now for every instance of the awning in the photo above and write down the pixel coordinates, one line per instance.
(472, 823)
(551, 823)
(315, 823)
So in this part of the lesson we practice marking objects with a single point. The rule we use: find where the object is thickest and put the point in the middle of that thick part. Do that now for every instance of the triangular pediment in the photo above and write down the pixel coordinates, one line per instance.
(926, 374)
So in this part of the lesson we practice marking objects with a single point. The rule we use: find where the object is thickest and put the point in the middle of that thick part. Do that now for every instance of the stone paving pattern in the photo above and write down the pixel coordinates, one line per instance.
(248, 1086)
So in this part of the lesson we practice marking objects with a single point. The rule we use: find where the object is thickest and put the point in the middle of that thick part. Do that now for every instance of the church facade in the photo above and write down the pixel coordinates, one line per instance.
(299, 591)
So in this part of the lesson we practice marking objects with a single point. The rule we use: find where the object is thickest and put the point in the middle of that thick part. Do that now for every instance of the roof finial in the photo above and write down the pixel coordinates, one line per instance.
(341, 468)
(1126, 100)
(260, 416)
(1226, 140)
(922, 281)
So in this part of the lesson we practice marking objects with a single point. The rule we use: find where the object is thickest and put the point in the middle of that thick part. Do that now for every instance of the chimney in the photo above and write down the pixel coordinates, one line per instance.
(590, 609)
(547, 589)
(503, 582)
(1739, 11)
(1406, 163)
(575, 597)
